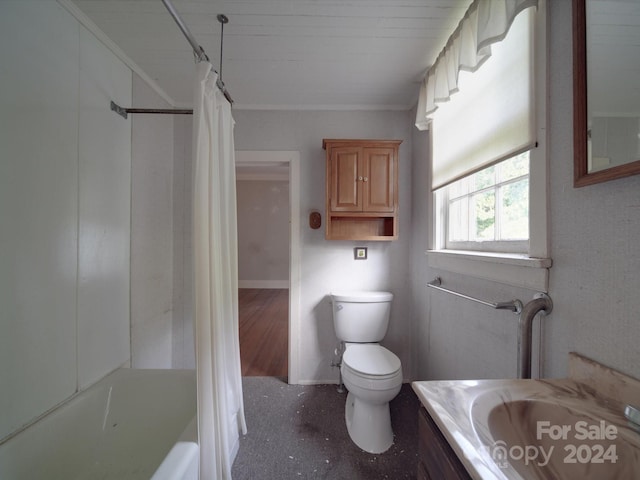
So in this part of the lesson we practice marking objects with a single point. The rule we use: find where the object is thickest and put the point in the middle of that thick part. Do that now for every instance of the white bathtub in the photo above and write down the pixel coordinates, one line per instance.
(133, 424)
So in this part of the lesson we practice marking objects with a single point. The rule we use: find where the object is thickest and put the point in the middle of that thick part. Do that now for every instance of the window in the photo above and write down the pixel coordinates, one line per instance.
(483, 128)
(489, 210)
(493, 223)
(490, 193)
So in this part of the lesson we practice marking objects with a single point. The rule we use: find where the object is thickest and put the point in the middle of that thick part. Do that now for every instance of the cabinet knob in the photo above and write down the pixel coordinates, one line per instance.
(365, 179)
(360, 178)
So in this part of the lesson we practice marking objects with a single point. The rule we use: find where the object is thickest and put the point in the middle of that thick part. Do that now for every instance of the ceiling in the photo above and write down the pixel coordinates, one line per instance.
(287, 54)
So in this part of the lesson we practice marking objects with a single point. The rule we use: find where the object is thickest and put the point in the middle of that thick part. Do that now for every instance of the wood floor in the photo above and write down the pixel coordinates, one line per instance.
(264, 331)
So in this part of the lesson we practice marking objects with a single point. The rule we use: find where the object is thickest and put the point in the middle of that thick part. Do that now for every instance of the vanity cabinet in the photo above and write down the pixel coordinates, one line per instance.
(362, 189)
(437, 460)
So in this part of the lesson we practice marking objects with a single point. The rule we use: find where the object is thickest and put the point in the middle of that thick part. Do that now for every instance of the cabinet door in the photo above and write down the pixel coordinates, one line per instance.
(379, 180)
(346, 194)
(437, 458)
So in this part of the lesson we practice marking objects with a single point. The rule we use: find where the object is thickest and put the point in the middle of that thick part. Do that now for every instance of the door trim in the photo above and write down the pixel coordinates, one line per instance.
(292, 158)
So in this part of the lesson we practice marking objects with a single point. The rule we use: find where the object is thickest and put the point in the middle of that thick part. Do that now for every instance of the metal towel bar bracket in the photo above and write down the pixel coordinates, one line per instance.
(514, 305)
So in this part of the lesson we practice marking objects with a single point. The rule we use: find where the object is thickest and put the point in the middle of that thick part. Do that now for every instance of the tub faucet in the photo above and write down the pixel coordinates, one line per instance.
(541, 303)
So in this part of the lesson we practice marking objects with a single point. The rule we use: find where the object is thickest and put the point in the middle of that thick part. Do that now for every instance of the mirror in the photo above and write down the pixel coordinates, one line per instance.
(606, 90)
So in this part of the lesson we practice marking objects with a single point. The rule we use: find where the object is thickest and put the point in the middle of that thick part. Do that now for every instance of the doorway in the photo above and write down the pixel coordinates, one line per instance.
(264, 331)
(268, 253)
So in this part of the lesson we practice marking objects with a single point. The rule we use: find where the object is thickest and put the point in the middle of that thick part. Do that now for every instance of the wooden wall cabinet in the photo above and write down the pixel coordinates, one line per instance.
(362, 189)
(437, 460)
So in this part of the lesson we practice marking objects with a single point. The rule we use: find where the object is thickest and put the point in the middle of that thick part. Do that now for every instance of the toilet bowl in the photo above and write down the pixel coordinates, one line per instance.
(373, 376)
(371, 373)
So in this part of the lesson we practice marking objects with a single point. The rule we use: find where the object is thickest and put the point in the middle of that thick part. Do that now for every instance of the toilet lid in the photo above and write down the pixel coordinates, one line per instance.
(371, 359)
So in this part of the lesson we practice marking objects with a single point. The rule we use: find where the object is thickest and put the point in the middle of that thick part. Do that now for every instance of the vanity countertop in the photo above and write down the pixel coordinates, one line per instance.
(548, 428)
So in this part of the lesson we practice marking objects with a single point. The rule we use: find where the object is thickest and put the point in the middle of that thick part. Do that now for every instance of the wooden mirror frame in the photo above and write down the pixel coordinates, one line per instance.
(581, 175)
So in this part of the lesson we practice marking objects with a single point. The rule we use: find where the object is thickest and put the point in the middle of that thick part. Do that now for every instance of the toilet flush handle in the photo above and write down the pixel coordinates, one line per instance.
(339, 307)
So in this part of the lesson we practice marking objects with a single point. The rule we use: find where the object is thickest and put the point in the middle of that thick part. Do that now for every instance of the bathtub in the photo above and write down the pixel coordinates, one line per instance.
(133, 424)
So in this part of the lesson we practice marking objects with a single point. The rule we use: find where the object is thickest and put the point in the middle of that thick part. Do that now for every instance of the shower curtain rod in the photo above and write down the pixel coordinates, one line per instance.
(200, 55)
(198, 51)
(124, 112)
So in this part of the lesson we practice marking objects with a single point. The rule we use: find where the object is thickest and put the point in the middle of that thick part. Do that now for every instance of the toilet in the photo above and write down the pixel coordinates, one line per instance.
(371, 373)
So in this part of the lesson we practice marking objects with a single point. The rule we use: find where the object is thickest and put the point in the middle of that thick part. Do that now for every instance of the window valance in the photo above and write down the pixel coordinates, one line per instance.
(485, 22)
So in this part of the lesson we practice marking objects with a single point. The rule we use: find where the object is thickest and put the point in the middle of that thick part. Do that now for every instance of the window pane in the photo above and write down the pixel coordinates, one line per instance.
(484, 208)
(489, 210)
(484, 178)
(459, 220)
(458, 188)
(514, 167)
(514, 211)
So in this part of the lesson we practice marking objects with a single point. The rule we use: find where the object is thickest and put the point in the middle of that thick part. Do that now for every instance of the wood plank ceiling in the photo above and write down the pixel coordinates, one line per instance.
(288, 54)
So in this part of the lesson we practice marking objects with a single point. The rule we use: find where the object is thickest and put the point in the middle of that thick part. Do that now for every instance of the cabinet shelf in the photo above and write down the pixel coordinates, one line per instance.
(362, 189)
(361, 228)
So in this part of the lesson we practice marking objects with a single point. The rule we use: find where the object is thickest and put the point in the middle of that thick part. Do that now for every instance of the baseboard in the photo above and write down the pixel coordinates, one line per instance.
(263, 284)
(333, 381)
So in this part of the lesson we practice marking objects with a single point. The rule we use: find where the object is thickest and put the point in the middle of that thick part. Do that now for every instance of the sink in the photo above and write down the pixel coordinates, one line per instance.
(565, 438)
(558, 429)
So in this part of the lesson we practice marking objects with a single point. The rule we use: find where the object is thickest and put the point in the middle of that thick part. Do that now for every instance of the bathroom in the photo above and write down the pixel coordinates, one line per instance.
(593, 281)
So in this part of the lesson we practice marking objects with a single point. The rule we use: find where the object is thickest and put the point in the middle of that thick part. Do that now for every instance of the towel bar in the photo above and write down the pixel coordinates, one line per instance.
(514, 305)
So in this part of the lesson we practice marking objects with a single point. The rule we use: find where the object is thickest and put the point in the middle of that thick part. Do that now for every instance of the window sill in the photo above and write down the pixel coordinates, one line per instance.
(511, 269)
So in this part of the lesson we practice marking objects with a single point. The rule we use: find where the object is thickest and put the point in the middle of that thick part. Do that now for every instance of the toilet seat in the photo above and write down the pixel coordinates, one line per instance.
(371, 361)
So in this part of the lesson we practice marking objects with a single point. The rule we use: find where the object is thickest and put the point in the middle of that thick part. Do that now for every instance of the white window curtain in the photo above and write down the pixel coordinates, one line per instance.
(478, 98)
(219, 377)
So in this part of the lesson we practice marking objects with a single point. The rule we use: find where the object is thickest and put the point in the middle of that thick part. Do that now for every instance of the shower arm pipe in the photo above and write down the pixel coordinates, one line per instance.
(198, 51)
(514, 305)
(541, 303)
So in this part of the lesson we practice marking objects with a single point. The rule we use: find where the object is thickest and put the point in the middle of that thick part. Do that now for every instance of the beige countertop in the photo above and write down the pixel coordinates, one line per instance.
(537, 429)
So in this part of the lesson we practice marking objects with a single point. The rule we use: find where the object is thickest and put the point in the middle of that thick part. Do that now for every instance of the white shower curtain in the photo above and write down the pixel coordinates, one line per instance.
(219, 377)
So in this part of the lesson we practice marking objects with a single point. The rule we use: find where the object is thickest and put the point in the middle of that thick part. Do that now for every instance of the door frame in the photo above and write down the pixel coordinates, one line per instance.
(292, 158)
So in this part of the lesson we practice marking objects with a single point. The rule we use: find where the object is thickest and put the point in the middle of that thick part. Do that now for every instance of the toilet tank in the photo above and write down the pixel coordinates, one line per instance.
(361, 317)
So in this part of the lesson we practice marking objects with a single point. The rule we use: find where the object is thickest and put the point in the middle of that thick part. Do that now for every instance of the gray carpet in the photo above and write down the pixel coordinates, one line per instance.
(299, 431)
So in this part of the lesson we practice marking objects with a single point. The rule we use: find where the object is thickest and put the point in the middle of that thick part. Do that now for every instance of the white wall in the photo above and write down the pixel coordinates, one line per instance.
(104, 148)
(161, 319)
(594, 281)
(326, 265)
(64, 205)
(263, 233)
(329, 265)
(151, 232)
(161, 266)
(183, 351)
